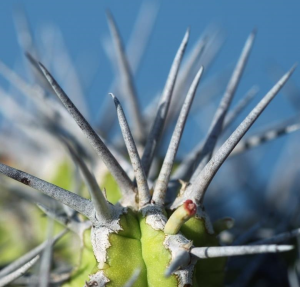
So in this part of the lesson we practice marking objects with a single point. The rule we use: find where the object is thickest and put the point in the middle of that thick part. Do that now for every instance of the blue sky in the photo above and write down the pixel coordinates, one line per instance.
(83, 26)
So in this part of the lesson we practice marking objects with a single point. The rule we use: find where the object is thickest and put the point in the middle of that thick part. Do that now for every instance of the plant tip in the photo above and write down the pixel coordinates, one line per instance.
(190, 207)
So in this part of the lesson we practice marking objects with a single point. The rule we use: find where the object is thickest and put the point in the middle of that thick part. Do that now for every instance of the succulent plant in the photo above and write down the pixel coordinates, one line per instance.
(158, 233)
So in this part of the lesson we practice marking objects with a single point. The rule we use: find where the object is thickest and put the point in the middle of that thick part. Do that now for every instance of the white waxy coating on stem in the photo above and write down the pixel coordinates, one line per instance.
(165, 172)
(143, 189)
(19, 272)
(126, 79)
(157, 128)
(217, 123)
(100, 235)
(154, 216)
(80, 204)
(111, 163)
(182, 257)
(179, 247)
(100, 204)
(98, 278)
(201, 183)
(174, 243)
(224, 251)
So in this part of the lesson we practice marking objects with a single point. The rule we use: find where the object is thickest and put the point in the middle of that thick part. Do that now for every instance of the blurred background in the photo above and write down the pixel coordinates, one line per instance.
(84, 30)
(72, 39)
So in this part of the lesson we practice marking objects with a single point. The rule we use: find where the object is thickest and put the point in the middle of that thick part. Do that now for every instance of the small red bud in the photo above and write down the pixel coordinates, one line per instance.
(190, 207)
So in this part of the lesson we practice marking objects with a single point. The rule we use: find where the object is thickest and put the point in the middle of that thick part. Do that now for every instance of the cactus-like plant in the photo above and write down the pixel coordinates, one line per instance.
(158, 233)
